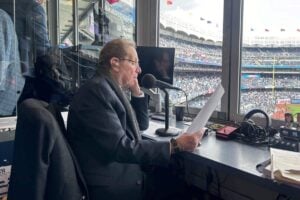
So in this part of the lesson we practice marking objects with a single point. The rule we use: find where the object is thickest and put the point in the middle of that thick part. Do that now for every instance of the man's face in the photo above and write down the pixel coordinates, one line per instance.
(129, 68)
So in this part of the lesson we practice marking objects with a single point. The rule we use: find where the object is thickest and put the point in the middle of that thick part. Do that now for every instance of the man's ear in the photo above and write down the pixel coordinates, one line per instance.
(114, 63)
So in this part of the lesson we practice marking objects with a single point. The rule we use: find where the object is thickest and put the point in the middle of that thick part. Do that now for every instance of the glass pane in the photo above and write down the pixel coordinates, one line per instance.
(194, 28)
(22, 46)
(86, 22)
(271, 57)
(10, 68)
(99, 22)
(121, 19)
(66, 22)
(103, 21)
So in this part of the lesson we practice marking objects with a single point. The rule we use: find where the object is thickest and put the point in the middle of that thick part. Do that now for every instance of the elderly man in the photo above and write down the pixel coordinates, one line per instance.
(103, 130)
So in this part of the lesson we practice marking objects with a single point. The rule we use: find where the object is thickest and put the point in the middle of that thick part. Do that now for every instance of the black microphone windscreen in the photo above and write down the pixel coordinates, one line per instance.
(148, 81)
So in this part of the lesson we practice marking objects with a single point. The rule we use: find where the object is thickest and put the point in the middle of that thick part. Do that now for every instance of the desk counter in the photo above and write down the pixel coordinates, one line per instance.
(232, 160)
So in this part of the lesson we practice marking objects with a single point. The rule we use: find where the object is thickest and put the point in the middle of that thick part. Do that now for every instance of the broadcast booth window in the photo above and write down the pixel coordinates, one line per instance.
(195, 30)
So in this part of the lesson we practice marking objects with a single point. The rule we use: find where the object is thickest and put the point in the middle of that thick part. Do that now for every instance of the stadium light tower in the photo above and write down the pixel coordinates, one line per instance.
(273, 80)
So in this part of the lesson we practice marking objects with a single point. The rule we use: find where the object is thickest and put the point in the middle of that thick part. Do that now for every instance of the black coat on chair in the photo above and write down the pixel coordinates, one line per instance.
(44, 167)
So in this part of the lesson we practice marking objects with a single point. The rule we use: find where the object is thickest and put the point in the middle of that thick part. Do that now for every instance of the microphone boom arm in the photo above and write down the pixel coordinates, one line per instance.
(167, 131)
(166, 108)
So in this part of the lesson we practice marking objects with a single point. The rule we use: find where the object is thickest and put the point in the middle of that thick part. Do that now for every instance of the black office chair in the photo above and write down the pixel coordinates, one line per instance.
(44, 166)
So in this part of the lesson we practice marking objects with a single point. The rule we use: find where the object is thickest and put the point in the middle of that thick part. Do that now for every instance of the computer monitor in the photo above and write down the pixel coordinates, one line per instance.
(158, 61)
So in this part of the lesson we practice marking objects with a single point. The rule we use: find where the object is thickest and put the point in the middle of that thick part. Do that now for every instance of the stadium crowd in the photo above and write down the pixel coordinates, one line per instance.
(212, 54)
(256, 92)
(194, 86)
(267, 81)
(265, 100)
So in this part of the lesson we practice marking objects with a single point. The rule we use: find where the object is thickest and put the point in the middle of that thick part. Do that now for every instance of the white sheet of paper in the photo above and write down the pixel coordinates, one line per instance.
(282, 161)
(206, 111)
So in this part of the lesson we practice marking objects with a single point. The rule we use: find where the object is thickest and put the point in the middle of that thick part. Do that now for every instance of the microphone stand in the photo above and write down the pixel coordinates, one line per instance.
(167, 131)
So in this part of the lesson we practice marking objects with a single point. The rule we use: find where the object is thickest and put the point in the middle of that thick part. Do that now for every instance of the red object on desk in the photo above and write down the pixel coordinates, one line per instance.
(226, 132)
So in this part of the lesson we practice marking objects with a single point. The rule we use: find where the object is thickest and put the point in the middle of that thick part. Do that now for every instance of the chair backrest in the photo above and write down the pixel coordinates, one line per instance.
(44, 166)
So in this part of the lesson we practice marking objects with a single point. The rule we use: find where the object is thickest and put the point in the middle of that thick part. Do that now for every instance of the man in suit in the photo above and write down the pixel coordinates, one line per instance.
(103, 130)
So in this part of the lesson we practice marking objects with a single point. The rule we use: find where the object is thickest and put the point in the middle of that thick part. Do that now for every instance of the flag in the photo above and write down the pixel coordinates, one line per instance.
(298, 29)
(112, 1)
(282, 29)
(169, 2)
(267, 30)
(209, 22)
(201, 18)
(251, 29)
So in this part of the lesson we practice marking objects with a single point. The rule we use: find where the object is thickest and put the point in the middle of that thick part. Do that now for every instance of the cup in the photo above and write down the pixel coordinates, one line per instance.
(179, 112)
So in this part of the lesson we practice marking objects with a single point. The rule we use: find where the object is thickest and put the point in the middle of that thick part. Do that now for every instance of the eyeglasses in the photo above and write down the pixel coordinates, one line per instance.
(136, 63)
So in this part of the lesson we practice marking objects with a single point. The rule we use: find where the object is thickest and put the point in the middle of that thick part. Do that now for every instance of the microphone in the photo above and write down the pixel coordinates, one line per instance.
(149, 81)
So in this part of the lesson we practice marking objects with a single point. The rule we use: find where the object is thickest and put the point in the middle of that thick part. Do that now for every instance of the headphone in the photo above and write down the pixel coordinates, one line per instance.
(252, 133)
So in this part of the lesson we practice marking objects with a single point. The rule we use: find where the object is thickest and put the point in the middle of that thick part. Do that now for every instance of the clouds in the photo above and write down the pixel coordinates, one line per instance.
(259, 15)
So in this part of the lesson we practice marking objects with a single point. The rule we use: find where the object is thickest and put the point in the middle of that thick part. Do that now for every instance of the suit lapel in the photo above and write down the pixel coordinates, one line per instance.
(129, 111)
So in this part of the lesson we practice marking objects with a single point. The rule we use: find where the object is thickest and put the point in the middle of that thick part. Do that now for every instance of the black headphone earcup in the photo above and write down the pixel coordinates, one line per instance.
(251, 132)
(255, 111)
(247, 128)
(250, 121)
(261, 132)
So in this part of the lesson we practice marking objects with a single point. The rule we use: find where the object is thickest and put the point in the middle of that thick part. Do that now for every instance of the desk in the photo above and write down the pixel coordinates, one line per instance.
(228, 168)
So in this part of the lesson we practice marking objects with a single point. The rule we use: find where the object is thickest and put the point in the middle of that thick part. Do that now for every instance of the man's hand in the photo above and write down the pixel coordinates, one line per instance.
(135, 88)
(188, 142)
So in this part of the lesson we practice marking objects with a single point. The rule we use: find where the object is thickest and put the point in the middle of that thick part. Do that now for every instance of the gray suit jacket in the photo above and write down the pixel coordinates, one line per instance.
(105, 138)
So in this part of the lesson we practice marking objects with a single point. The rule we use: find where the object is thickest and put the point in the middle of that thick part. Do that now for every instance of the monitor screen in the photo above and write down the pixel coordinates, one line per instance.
(157, 61)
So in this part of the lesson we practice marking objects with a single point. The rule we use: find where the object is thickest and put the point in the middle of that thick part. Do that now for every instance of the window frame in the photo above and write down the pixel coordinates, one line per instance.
(148, 34)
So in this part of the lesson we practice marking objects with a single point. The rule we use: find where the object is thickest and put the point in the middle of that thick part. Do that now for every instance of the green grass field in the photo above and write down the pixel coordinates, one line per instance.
(293, 108)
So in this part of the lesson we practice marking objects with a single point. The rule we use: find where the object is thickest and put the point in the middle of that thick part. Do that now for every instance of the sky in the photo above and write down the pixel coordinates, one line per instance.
(259, 15)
